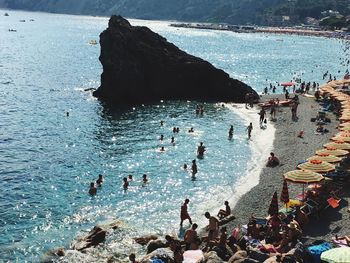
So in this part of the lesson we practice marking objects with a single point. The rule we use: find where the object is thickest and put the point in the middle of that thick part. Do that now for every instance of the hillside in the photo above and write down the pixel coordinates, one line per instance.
(230, 11)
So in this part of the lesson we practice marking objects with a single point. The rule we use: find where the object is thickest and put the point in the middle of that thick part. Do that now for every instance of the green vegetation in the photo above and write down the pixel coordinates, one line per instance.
(268, 12)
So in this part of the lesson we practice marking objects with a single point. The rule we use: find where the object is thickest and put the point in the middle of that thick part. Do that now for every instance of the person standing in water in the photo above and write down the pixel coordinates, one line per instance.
(194, 168)
(99, 181)
(230, 132)
(200, 149)
(93, 189)
(144, 180)
(125, 184)
(184, 212)
(249, 129)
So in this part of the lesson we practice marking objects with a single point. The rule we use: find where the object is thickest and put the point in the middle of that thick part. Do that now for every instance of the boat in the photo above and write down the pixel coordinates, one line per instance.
(93, 42)
(22, 20)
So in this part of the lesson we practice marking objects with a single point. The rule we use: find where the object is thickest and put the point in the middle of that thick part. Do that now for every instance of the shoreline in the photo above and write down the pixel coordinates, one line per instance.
(261, 145)
(290, 150)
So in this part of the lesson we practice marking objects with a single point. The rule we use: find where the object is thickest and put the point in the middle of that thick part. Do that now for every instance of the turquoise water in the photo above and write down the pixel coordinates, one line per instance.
(47, 159)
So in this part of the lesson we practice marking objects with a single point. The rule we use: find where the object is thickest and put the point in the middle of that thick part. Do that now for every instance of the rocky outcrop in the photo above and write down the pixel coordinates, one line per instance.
(140, 66)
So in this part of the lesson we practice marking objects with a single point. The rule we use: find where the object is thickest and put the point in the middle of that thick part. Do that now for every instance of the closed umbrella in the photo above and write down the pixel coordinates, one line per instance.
(284, 194)
(338, 144)
(273, 208)
(336, 255)
(332, 151)
(317, 166)
(325, 157)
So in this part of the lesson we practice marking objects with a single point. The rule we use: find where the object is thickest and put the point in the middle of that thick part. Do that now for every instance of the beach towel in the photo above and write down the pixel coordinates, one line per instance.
(193, 256)
(339, 243)
(317, 250)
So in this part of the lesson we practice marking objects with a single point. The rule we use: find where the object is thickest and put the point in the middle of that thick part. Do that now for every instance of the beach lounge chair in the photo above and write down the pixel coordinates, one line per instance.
(333, 202)
(310, 207)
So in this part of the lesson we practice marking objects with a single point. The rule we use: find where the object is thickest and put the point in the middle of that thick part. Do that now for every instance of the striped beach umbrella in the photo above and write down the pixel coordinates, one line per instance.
(345, 117)
(317, 166)
(325, 158)
(332, 151)
(344, 124)
(338, 145)
(336, 255)
(284, 194)
(345, 128)
(273, 208)
(303, 177)
(342, 138)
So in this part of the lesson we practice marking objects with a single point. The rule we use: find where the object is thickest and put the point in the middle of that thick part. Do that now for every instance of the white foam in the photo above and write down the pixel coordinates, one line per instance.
(261, 144)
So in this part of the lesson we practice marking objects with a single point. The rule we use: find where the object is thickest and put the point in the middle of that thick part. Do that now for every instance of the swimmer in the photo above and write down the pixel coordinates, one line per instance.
(99, 181)
(177, 130)
(191, 130)
(67, 113)
(125, 183)
(161, 123)
(161, 137)
(162, 149)
(93, 189)
(172, 139)
(130, 178)
(185, 166)
(174, 130)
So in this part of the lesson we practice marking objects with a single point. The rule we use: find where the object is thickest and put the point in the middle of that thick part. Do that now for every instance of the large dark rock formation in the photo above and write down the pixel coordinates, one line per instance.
(140, 66)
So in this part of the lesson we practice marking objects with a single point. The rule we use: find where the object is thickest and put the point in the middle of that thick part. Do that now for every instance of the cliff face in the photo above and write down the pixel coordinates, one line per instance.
(141, 66)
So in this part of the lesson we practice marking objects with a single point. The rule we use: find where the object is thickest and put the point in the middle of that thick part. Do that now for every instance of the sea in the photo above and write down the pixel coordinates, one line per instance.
(56, 138)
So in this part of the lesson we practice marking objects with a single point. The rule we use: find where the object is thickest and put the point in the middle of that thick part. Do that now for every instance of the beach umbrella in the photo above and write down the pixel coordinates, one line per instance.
(325, 157)
(273, 208)
(317, 166)
(345, 128)
(342, 138)
(288, 84)
(332, 151)
(303, 177)
(344, 124)
(338, 145)
(336, 255)
(284, 194)
(345, 117)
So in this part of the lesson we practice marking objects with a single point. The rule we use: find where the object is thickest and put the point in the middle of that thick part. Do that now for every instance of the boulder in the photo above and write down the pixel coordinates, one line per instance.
(145, 239)
(155, 244)
(96, 236)
(226, 220)
(140, 66)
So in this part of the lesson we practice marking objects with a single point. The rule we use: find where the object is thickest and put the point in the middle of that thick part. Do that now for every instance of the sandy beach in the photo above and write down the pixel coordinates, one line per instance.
(291, 150)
